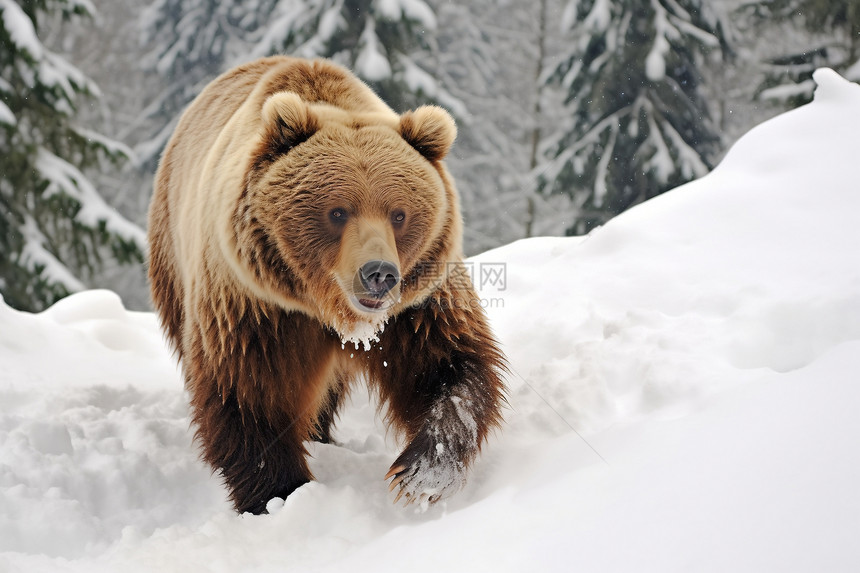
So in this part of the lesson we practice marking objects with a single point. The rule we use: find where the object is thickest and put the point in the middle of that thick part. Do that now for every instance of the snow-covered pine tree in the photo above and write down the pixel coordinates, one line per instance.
(55, 228)
(482, 51)
(832, 39)
(491, 55)
(188, 43)
(377, 39)
(637, 124)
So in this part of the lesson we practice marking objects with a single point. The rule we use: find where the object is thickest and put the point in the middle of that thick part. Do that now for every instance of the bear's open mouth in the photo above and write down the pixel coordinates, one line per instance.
(371, 303)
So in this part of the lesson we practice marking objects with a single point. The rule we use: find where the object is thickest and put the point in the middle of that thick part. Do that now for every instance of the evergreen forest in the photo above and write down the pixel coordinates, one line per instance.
(569, 111)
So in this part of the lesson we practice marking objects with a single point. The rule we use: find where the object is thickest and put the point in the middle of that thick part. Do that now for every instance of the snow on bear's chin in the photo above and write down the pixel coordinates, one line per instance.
(363, 331)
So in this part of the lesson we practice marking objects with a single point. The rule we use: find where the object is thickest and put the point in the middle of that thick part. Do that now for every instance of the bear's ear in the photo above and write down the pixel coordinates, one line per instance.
(430, 130)
(287, 121)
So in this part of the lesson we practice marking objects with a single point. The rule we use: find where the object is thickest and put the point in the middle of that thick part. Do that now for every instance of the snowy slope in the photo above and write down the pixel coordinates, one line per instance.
(684, 398)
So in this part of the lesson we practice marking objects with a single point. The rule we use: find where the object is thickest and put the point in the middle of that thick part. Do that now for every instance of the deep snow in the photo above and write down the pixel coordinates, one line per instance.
(683, 398)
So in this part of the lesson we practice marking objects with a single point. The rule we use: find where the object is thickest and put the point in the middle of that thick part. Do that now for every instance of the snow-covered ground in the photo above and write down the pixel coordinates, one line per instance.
(684, 397)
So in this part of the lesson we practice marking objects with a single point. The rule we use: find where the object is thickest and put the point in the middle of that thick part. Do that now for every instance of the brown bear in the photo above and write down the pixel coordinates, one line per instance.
(295, 215)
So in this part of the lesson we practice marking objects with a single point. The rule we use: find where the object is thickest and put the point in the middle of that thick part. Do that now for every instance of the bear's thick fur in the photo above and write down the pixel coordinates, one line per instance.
(294, 216)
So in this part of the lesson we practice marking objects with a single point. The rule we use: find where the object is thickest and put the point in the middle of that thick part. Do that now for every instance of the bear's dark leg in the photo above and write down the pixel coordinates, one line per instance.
(258, 458)
(325, 421)
(256, 392)
(440, 371)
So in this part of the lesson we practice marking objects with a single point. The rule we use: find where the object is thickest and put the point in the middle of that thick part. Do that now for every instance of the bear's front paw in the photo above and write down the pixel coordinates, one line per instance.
(426, 475)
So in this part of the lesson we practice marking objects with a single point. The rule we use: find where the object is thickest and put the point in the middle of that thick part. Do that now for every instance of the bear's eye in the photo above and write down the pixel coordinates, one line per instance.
(398, 217)
(337, 215)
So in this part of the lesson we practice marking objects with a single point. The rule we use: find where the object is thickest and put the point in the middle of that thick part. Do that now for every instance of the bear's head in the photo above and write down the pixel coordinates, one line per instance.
(339, 207)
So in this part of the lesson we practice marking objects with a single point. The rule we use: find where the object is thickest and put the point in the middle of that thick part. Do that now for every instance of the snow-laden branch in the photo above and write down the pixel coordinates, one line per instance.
(20, 28)
(292, 22)
(655, 61)
(417, 79)
(599, 17)
(372, 61)
(63, 177)
(660, 162)
(35, 255)
(616, 39)
(569, 16)
(415, 10)
(52, 70)
(691, 163)
(112, 146)
(6, 115)
(704, 37)
(552, 169)
(601, 176)
(787, 91)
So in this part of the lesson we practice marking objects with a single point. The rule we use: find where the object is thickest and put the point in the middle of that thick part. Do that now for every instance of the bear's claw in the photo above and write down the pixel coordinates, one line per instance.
(394, 482)
(424, 483)
(394, 471)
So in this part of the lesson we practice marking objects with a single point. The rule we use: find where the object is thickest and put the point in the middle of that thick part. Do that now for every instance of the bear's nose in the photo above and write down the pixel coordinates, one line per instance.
(378, 277)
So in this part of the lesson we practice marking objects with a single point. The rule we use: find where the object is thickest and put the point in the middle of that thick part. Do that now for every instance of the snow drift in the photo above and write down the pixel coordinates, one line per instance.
(683, 398)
